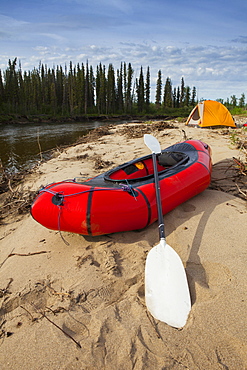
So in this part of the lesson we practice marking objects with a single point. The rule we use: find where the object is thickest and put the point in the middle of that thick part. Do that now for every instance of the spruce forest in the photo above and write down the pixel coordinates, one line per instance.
(78, 90)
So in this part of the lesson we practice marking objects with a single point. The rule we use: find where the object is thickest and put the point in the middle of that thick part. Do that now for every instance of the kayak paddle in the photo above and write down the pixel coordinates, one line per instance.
(166, 288)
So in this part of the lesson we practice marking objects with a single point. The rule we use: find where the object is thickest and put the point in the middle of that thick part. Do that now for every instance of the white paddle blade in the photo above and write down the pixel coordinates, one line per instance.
(166, 287)
(152, 143)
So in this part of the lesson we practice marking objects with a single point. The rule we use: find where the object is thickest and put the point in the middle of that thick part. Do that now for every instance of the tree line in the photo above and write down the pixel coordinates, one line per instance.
(81, 90)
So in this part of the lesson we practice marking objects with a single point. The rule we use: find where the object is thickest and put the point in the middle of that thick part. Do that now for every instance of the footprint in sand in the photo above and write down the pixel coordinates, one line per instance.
(112, 262)
(228, 358)
(104, 296)
(183, 209)
(39, 295)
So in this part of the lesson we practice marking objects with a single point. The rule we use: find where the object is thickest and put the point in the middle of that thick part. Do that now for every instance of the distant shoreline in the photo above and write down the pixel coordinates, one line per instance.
(23, 119)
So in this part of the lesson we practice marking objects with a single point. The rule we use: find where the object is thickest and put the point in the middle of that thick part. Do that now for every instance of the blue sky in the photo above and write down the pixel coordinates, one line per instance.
(205, 42)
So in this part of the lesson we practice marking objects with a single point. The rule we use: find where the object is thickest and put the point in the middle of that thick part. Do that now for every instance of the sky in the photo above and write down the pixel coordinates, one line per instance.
(205, 42)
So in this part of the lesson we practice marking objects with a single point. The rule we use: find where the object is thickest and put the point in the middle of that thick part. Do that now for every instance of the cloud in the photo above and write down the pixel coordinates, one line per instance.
(10, 22)
(52, 36)
(10, 27)
(143, 33)
(241, 40)
(191, 61)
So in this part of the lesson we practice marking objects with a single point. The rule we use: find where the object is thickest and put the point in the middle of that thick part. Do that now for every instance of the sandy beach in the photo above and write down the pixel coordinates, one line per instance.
(79, 303)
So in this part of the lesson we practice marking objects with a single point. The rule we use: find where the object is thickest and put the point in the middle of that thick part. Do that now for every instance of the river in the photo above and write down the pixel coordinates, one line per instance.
(20, 143)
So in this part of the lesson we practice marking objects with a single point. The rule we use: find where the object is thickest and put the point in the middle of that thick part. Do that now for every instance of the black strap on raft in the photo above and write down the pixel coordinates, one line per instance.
(59, 198)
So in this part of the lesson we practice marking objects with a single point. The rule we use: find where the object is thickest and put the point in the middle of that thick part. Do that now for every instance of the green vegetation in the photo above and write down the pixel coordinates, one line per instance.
(237, 106)
(79, 91)
(238, 111)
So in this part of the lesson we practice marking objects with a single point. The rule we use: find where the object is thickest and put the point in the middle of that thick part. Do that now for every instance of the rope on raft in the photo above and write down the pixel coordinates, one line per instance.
(125, 187)
(59, 229)
(60, 198)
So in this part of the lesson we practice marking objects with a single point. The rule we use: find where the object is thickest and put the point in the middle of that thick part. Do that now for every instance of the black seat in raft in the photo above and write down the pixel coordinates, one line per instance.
(168, 159)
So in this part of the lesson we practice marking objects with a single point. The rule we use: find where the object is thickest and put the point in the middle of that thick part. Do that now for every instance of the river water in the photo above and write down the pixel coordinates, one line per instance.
(20, 143)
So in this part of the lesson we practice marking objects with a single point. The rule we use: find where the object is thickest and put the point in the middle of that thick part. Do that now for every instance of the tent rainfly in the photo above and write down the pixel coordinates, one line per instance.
(210, 113)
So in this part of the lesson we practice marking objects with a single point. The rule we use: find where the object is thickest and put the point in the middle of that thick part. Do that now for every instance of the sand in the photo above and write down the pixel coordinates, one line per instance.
(81, 305)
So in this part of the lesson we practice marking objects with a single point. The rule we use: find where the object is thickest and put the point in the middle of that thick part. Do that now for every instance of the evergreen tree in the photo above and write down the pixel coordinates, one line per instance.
(174, 98)
(38, 90)
(11, 86)
(53, 92)
(233, 101)
(91, 89)
(80, 87)
(65, 104)
(71, 88)
(187, 96)
(182, 93)
(101, 89)
(178, 99)
(119, 95)
(140, 92)
(168, 98)
(59, 79)
(158, 89)
(193, 98)
(97, 87)
(1, 89)
(21, 89)
(43, 86)
(26, 91)
(147, 90)
(87, 93)
(111, 90)
(124, 86)
(241, 102)
(128, 98)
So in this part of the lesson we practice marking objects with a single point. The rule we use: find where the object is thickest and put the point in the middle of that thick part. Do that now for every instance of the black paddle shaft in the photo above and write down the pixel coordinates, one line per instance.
(158, 199)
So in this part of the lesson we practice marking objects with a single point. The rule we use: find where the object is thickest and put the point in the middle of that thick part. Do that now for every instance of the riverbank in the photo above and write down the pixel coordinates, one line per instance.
(82, 306)
(45, 118)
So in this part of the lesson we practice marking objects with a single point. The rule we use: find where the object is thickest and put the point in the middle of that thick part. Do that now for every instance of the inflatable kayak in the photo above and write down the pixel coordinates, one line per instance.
(123, 198)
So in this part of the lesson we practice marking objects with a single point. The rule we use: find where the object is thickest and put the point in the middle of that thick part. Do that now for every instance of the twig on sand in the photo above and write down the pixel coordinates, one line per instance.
(1, 264)
(241, 166)
(241, 192)
(10, 187)
(32, 318)
(22, 255)
(5, 291)
(27, 254)
(57, 326)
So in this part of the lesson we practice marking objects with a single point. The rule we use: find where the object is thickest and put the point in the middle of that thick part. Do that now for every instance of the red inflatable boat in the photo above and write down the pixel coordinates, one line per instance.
(124, 198)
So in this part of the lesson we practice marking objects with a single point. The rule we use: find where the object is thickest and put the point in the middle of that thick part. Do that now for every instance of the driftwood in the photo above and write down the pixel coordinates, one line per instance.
(16, 201)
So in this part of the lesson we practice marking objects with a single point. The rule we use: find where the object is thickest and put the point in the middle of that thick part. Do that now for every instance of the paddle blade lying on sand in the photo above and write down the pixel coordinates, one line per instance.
(166, 288)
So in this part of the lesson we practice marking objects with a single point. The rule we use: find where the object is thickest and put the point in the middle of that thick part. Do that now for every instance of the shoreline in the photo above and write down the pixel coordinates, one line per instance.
(24, 119)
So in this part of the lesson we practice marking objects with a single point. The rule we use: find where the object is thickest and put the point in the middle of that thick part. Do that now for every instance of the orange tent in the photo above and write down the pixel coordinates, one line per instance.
(210, 113)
